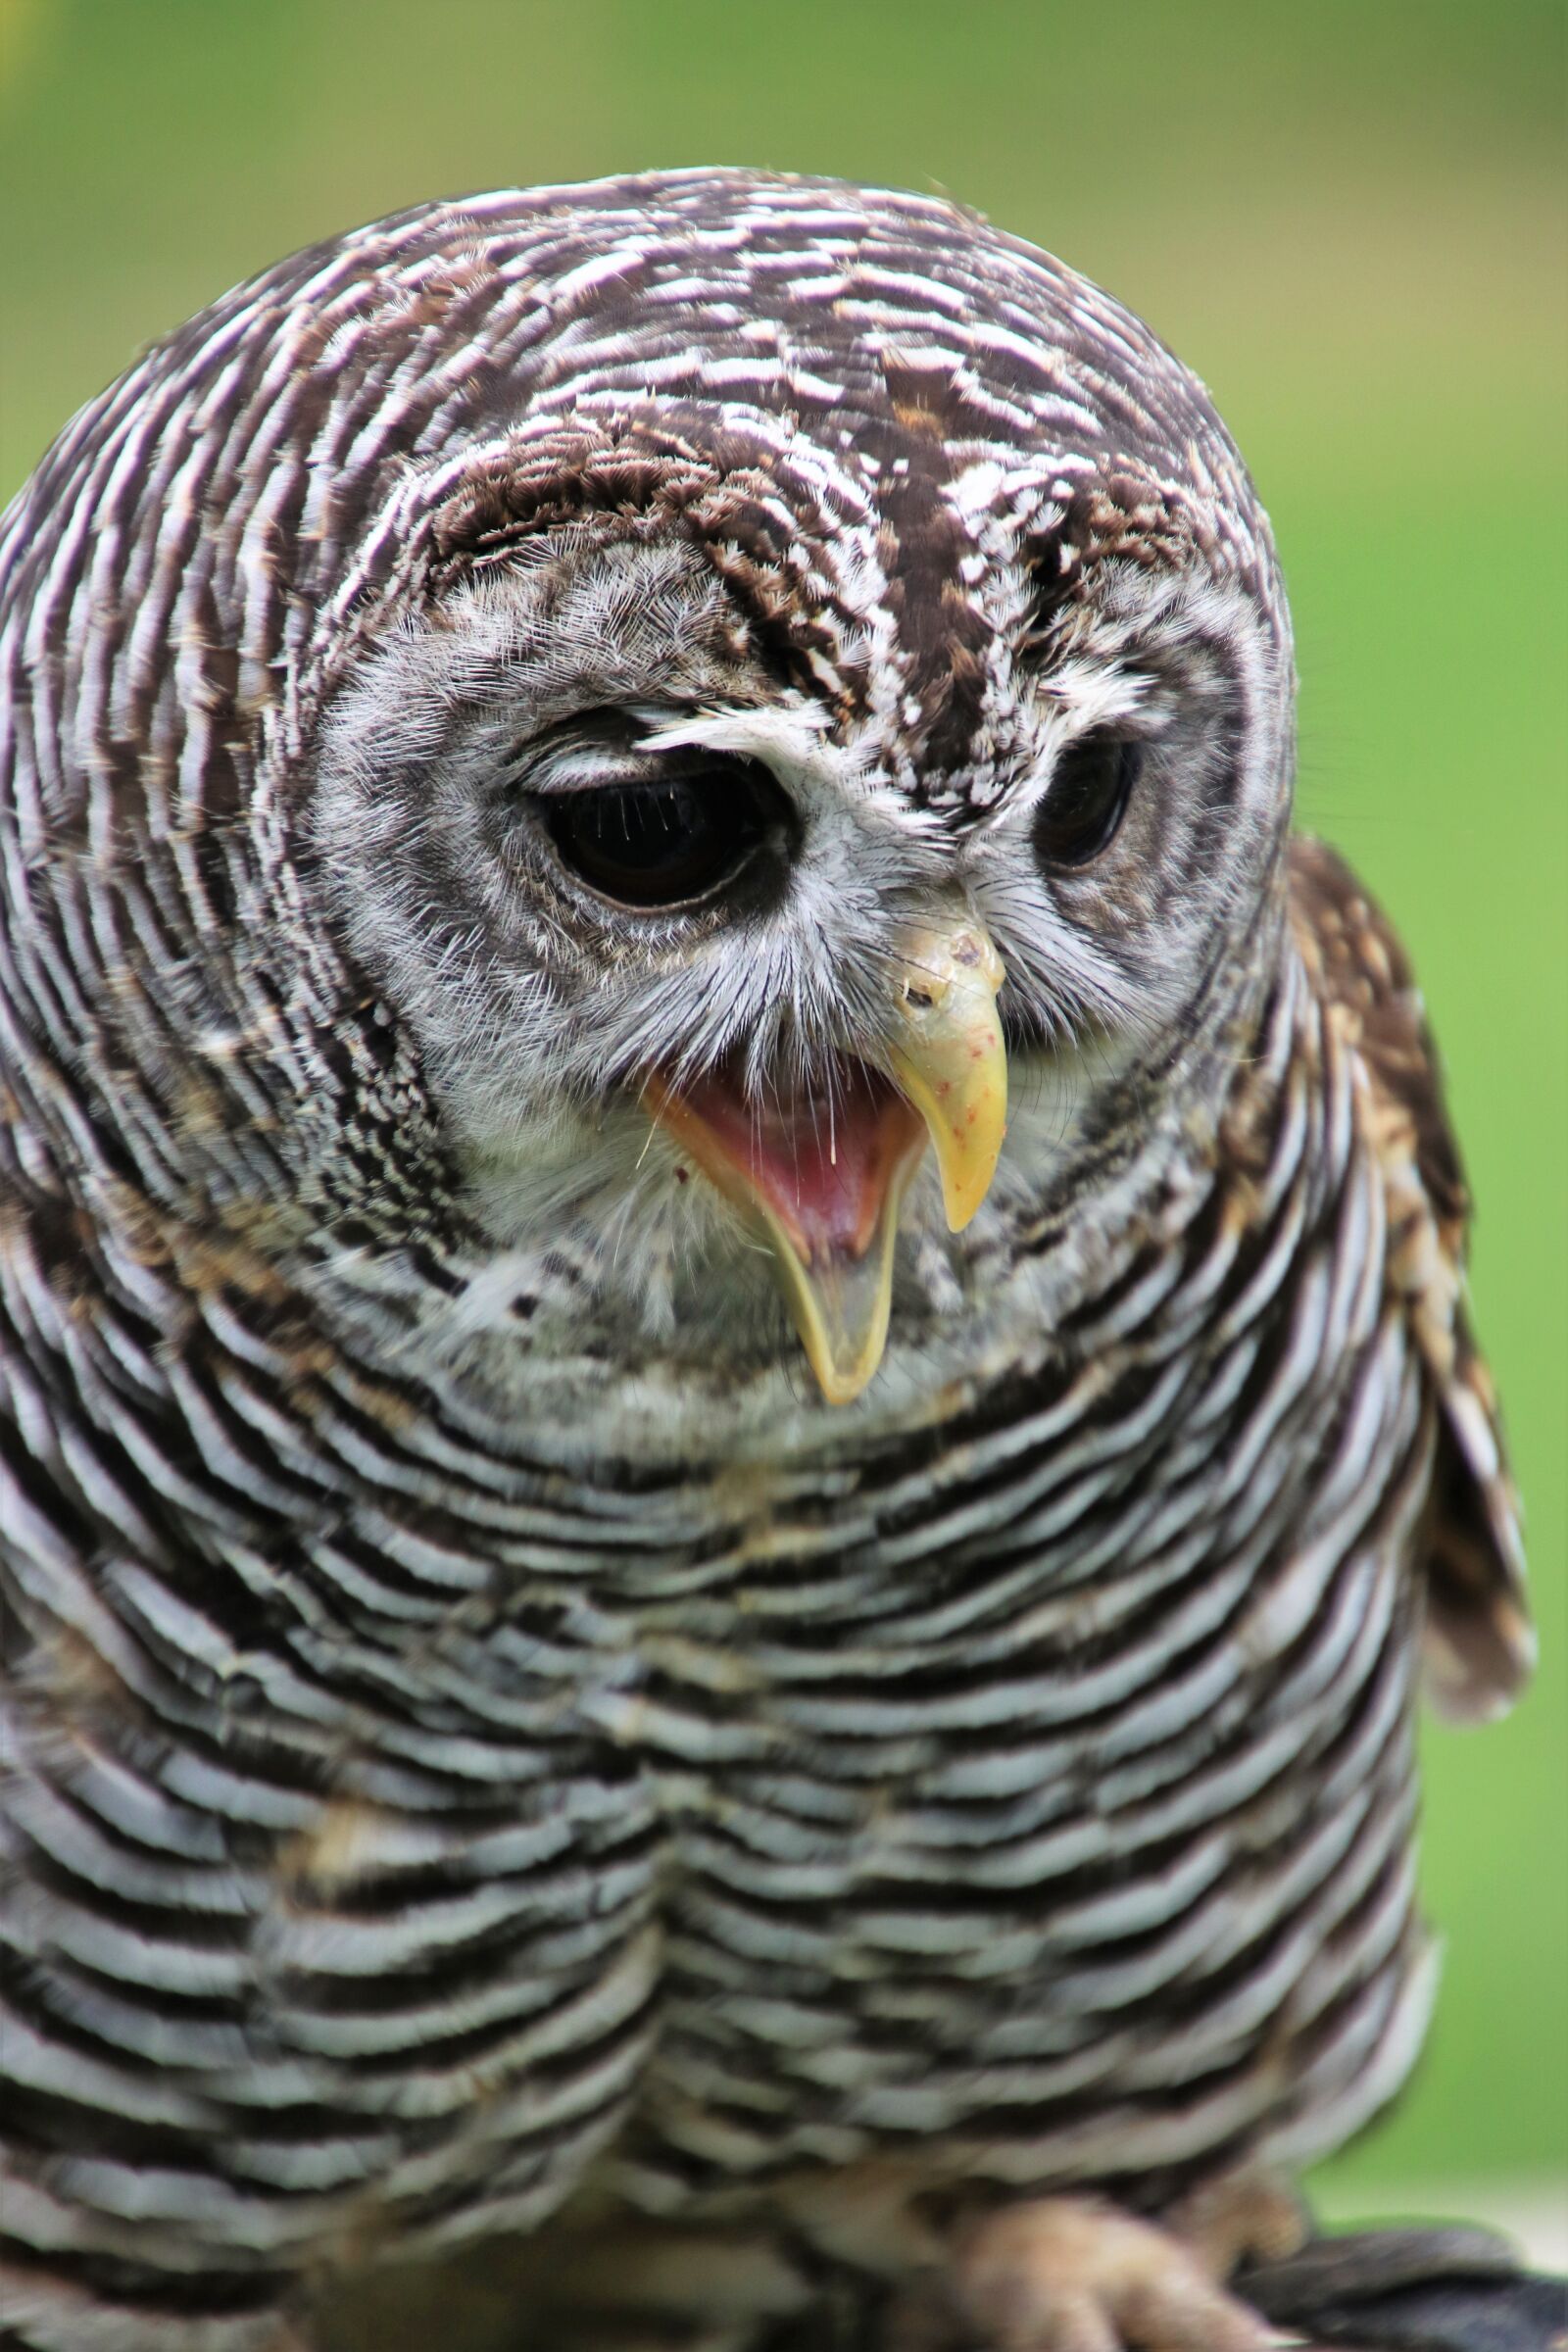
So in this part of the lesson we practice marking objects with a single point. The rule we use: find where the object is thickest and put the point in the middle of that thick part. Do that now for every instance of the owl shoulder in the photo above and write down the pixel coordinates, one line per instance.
(1479, 1642)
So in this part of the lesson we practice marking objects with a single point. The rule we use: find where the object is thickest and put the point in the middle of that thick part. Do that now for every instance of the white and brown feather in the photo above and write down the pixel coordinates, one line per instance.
(1478, 1628)
(486, 1754)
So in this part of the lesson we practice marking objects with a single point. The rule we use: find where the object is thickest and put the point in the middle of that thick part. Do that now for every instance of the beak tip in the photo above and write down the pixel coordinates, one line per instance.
(842, 1373)
(964, 1199)
(839, 1387)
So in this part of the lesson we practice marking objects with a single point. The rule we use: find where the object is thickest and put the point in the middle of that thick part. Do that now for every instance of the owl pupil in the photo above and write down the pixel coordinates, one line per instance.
(1087, 800)
(667, 840)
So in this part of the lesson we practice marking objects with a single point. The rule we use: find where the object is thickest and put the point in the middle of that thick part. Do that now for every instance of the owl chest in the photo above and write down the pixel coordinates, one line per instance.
(1009, 1766)
(980, 1814)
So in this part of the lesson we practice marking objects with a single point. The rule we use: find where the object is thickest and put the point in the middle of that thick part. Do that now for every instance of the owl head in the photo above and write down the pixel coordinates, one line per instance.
(779, 696)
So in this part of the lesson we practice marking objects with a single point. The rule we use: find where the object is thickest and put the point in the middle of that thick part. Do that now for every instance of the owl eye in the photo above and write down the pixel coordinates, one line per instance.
(669, 840)
(1087, 800)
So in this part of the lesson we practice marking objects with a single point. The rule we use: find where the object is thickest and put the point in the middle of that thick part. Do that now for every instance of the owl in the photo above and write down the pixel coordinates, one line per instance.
(736, 1396)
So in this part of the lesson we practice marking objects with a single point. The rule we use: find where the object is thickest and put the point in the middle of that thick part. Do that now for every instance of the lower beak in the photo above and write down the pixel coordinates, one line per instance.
(823, 1184)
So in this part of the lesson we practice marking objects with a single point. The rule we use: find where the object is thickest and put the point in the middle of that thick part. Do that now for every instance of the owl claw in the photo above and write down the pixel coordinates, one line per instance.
(1070, 2274)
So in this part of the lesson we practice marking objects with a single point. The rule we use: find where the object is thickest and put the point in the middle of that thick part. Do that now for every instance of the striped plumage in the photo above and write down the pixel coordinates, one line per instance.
(486, 1747)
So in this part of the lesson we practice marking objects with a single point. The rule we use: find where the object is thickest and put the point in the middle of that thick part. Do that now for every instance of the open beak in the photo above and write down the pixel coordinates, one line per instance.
(822, 1180)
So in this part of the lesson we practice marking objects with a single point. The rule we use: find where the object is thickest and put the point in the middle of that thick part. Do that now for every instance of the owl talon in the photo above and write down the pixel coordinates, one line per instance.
(1239, 2217)
(1070, 2274)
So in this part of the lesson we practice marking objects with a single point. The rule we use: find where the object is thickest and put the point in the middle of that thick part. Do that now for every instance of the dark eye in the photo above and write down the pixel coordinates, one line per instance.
(1088, 796)
(669, 840)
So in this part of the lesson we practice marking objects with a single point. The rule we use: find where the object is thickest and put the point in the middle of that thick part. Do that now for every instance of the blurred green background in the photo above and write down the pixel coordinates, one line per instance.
(1349, 219)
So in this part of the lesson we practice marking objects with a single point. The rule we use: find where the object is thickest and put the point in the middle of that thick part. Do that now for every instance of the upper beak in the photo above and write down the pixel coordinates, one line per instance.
(825, 1183)
(949, 1056)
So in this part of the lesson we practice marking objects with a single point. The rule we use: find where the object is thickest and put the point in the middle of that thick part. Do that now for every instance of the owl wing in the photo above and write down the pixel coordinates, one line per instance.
(1479, 1641)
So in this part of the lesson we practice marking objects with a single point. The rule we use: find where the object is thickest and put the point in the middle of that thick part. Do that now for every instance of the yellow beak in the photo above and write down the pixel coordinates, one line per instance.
(826, 1193)
(949, 1059)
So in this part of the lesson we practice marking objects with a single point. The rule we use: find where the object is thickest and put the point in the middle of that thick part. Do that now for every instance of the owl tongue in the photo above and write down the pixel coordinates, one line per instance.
(822, 1163)
(823, 1175)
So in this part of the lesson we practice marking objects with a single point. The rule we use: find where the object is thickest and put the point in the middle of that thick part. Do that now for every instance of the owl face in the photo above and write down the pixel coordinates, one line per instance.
(797, 852)
(694, 973)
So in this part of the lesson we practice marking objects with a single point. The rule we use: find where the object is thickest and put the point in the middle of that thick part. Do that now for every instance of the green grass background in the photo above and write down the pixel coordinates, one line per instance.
(1349, 219)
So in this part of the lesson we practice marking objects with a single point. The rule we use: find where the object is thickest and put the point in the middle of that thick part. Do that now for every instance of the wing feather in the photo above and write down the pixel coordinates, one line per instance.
(1479, 1641)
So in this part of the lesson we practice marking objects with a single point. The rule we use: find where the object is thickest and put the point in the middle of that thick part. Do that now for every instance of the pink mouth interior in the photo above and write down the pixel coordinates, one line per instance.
(822, 1162)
